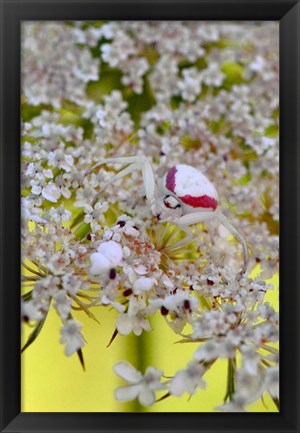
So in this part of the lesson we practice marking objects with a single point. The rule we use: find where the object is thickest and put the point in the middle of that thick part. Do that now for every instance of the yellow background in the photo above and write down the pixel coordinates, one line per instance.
(52, 382)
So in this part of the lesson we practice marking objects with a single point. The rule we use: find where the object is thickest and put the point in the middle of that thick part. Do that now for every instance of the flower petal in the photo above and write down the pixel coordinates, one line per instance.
(178, 384)
(124, 324)
(146, 396)
(112, 251)
(127, 372)
(100, 264)
(51, 193)
(126, 393)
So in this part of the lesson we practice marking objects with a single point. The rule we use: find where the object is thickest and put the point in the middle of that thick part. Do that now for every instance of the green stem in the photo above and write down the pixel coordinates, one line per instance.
(135, 351)
(230, 380)
(142, 344)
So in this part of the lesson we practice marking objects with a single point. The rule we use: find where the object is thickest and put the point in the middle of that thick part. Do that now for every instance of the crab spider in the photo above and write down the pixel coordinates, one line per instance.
(183, 196)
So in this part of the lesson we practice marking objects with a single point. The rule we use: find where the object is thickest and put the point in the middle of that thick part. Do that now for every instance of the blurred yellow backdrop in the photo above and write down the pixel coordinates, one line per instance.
(52, 382)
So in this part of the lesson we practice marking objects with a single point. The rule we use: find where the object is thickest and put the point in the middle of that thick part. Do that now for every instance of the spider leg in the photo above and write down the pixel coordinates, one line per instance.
(135, 163)
(223, 220)
(122, 160)
(127, 170)
(193, 218)
(184, 222)
(149, 183)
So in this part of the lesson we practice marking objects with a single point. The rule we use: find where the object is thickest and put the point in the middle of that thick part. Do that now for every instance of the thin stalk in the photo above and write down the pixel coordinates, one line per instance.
(40, 266)
(269, 349)
(89, 298)
(86, 305)
(27, 296)
(78, 228)
(32, 278)
(265, 363)
(32, 270)
(230, 380)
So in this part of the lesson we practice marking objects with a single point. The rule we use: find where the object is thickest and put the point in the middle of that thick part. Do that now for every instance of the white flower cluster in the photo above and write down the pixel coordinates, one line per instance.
(198, 93)
(53, 66)
(111, 120)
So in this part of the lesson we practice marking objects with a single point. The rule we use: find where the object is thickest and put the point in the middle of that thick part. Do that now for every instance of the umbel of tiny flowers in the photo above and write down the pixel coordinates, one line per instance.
(210, 101)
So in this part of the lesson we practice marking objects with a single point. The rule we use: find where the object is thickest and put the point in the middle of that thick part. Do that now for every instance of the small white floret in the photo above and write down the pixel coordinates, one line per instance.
(143, 284)
(109, 255)
(100, 264)
(140, 269)
(72, 337)
(112, 251)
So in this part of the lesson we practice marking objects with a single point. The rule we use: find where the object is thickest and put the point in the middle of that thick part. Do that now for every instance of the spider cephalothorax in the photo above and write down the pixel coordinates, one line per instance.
(183, 196)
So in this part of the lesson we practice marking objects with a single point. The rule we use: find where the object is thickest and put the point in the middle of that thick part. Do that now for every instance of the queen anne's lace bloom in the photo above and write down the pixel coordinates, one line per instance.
(194, 93)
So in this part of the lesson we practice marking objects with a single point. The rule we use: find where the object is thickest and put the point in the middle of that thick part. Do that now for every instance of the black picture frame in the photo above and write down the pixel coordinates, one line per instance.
(12, 13)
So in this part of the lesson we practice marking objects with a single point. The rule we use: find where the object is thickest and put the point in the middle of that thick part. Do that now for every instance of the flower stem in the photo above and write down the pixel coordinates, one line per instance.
(230, 380)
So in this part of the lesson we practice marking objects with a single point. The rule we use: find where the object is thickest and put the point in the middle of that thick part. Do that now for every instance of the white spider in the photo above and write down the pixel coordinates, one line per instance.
(183, 196)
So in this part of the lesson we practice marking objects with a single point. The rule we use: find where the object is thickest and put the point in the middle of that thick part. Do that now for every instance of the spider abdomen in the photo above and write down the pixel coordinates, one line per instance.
(191, 187)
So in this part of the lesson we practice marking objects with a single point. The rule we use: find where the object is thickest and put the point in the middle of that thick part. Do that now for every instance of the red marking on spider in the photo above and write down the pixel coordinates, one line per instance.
(170, 180)
(204, 201)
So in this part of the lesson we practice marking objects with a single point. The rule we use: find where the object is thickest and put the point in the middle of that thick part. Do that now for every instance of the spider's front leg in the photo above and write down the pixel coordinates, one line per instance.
(123, 160)
(133, 163)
